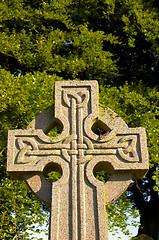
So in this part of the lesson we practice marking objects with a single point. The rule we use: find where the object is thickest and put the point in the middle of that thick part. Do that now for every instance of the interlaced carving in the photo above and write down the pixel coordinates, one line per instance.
(125, 148)
(83, 147)
(25, 144)
(77, 96)
(78, 152)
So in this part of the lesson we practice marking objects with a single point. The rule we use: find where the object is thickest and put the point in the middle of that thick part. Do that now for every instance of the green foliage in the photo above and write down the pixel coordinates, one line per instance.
(19, 211)
(139, 107)
(102, 176)
(106, 40)
(120, 211)
(112, 41)
(19, 105)
(54, 132)
(20, 102)
(119, 214)
(53, 176)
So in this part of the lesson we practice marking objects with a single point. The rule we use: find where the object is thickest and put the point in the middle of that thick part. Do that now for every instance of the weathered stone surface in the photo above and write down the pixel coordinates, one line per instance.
(78, 199)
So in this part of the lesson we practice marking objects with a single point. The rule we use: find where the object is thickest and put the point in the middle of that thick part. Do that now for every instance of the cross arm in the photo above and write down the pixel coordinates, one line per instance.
(30, 150)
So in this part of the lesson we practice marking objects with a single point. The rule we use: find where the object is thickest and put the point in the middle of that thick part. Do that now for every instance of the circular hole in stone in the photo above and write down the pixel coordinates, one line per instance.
(55, 129)
(52, 172)
(100, 129)
(103, 171)
(102, 176)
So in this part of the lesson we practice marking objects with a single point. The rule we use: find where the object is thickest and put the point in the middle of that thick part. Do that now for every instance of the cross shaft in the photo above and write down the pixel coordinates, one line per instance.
(78, 199)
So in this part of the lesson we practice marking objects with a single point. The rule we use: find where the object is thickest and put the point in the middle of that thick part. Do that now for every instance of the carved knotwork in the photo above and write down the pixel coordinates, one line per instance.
(29, 149)
(25, 144)
(76, 143)
(77, 199)
(129, 153)
(82, 98)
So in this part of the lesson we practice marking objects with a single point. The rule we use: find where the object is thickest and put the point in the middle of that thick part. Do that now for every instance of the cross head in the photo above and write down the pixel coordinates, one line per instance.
(77, 200)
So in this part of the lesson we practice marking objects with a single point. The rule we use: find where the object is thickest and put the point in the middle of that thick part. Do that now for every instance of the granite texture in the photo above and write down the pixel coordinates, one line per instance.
(77, 200)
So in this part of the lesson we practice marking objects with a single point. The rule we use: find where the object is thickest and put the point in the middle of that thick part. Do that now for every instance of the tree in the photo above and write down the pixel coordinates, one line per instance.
(20, 210)
(108, 40)
(138, 106)
(113, 41)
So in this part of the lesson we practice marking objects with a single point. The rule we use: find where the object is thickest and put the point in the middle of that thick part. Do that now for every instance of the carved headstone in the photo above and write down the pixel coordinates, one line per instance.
(77, 200)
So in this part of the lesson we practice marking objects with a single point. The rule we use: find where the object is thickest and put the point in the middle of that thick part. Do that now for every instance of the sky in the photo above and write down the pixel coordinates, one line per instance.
(133, 231)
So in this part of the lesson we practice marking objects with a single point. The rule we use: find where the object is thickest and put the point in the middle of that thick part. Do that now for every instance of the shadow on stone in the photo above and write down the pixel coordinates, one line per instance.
(142, 237)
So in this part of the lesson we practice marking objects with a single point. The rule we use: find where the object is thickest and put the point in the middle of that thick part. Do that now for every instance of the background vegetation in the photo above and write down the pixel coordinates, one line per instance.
(113, 41)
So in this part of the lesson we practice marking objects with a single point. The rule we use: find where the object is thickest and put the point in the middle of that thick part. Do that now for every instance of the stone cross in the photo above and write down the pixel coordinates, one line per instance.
(77, 200)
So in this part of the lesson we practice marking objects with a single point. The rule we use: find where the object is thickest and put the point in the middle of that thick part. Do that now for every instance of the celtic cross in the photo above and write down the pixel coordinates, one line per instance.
(77, 200)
